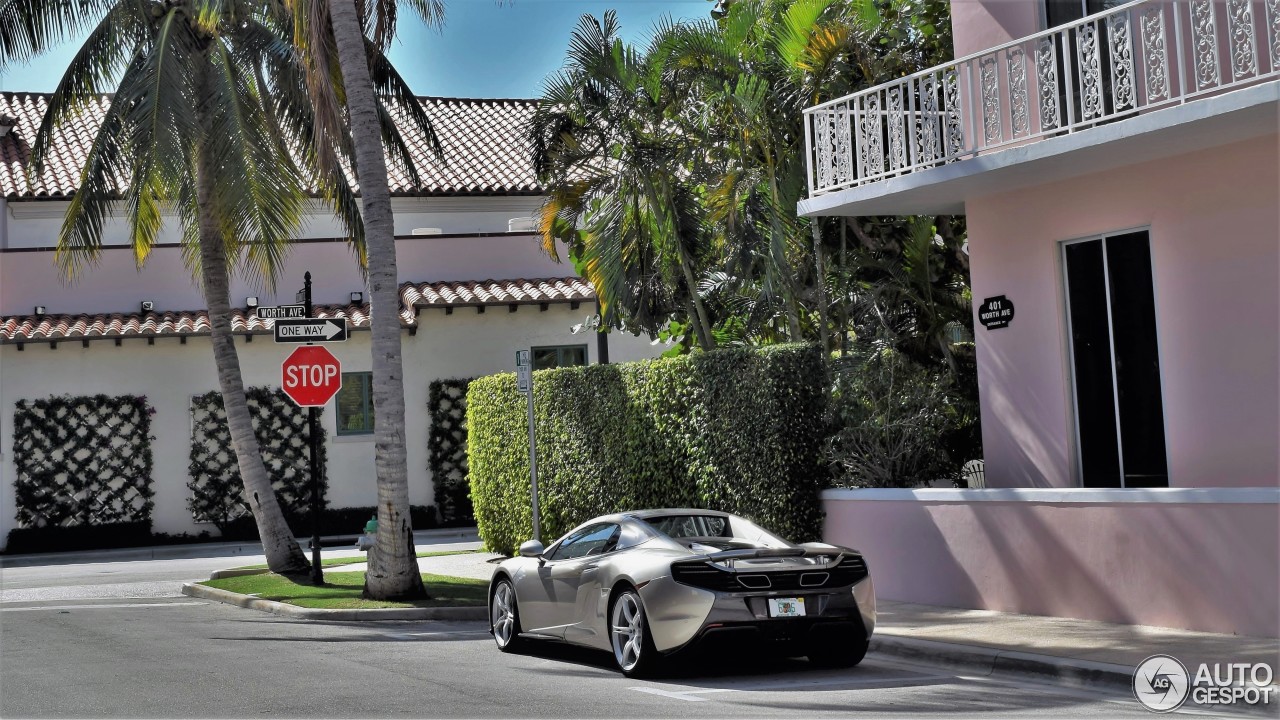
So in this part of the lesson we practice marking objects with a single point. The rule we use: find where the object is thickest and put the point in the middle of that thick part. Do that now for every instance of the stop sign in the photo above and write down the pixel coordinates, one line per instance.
(311, 375)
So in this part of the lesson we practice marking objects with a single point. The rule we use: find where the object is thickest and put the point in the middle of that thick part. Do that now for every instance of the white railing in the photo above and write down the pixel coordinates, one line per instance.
(1134, 58)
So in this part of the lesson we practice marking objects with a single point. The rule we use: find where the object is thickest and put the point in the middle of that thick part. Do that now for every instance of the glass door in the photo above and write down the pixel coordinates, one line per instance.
(1115, 361)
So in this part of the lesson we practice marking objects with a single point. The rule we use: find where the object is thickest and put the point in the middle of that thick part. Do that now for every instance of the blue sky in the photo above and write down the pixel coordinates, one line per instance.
(486, 49)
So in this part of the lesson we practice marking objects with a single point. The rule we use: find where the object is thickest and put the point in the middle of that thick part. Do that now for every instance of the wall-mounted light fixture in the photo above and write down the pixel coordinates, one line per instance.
(357, 298)
(41, 310)
(251, 302)
(148, 306)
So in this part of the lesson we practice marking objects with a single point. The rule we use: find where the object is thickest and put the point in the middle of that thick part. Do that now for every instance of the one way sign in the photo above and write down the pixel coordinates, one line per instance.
(308, 330)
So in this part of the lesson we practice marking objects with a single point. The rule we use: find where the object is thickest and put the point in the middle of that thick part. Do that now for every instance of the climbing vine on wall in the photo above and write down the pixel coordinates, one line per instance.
(447, 448)
(83, 460)
(281, 429)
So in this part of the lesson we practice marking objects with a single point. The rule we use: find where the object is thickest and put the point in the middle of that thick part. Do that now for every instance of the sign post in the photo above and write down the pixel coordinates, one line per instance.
(311, 376)
(524, 383)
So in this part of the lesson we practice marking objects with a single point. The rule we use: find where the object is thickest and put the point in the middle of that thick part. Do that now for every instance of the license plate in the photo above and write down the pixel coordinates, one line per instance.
(786, 607)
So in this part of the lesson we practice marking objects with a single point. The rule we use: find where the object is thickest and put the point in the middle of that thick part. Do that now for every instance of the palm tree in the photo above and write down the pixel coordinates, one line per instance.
(344, 72)
(751, 72)
(193, 127)
(610, 149)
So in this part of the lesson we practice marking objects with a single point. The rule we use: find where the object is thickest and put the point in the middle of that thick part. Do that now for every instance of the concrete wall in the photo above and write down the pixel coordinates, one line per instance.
(1216, 259)
(464, 344)
(1201, 566)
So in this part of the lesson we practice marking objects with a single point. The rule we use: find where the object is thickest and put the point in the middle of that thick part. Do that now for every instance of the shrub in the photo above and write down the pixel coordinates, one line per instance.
(217, 492)
(447, 449)
(895, 423)
(83, 461)
(736, 430)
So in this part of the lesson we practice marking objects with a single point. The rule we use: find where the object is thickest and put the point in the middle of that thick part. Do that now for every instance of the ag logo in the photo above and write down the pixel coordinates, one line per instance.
(1161, 683)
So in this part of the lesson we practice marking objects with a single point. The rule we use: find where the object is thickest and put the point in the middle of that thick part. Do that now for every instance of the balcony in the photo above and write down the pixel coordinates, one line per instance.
(1141, 81)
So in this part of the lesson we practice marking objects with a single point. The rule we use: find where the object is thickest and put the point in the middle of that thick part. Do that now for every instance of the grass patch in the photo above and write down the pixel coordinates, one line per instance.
(341, 591)
(352, 559)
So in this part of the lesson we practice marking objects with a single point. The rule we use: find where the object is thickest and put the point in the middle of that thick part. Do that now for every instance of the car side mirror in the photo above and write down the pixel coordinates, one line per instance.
(531, 549)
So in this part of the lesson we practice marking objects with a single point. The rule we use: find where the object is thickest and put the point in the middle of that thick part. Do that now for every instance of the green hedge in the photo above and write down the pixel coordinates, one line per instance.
(736, 430)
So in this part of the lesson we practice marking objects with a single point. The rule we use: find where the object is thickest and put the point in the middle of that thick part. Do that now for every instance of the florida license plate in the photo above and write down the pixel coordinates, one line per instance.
(786, 607)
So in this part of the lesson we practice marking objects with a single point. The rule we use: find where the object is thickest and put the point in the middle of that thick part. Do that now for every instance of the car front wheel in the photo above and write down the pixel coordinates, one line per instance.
(633, 648)
(504, 617)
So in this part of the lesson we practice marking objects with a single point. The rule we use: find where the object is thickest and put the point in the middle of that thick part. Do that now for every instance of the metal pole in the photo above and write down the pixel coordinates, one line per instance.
(533, 461)
(313, 429)
(602, 339)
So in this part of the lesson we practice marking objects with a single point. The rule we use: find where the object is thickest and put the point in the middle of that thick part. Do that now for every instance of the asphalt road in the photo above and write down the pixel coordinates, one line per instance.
(116, 639)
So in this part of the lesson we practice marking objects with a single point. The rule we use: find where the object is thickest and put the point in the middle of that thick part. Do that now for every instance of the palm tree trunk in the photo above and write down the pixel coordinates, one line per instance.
(705, 338)
(393, 567)
(821, 283)
(284, 555)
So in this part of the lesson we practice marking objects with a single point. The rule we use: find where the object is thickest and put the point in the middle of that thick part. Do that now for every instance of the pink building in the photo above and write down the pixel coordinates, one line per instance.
(1119, 166)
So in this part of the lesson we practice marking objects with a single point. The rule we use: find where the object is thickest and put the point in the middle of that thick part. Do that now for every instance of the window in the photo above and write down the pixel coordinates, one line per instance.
(592, 540)
(545, 358)
(355, 404)
(1115, 361)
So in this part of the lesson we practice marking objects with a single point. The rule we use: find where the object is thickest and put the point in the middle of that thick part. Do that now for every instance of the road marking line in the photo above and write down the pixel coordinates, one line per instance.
(691, 694)
(688, 696)
(98, 607)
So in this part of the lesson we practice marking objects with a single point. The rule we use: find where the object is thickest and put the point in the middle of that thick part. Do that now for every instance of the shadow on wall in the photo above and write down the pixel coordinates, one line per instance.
(1188, 566)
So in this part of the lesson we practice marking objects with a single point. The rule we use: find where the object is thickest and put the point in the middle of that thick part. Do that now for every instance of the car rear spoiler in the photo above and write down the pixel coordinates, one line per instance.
(748, 553)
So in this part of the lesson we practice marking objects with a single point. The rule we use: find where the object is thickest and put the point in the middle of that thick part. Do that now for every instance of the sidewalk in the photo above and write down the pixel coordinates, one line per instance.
(247, 550)
(1063, 649)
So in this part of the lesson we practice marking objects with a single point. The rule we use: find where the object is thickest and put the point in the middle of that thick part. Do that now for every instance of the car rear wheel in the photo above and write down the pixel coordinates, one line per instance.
(504, 617)
(844, 652)
(633, 648)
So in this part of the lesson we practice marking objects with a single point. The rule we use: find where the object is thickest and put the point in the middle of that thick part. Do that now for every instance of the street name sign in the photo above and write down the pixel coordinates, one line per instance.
(311, 376)
(282, 311)
(308, 330)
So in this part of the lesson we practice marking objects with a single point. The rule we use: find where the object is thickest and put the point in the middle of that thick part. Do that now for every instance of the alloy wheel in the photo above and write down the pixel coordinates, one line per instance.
(627, 631)
(502, 614)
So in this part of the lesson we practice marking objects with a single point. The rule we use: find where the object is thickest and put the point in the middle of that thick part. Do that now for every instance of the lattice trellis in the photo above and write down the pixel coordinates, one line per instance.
(281, 428)
(447, 448)
(83, 460)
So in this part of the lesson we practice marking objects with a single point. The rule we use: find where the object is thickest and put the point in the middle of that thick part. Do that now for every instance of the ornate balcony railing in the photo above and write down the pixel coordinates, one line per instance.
(1131, 59)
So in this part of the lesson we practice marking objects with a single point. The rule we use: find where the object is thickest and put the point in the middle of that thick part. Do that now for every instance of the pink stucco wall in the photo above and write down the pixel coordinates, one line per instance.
(982, 24)
(116, 284)
(1211, 567)
(1215, 240)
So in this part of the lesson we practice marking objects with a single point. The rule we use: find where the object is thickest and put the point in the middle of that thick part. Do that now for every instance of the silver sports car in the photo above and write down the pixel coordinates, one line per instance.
(649, 583)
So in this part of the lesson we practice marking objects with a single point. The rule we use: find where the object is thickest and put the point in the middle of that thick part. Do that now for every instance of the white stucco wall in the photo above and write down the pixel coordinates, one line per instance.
(464, 344)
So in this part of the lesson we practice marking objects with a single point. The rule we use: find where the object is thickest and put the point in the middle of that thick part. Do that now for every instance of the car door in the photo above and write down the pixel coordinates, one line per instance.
(570, 564)
(585, 625)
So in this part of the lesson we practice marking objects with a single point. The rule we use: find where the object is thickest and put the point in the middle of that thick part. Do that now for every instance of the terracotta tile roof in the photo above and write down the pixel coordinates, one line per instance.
(485, 149)
(414, 296)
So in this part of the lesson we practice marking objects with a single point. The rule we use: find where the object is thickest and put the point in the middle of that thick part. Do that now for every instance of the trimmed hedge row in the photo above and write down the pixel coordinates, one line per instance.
(735, 430)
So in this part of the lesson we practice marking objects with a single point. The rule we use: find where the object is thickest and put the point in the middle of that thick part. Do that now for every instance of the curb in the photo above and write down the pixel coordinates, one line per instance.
(994, 662)
(299, 613)
(237, 572)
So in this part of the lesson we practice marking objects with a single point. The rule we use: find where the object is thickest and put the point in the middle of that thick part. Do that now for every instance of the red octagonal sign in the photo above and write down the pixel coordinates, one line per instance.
(311, 375)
